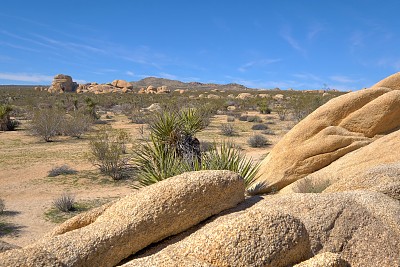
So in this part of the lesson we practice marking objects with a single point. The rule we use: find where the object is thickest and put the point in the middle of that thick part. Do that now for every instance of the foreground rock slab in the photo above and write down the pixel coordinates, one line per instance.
(362, 227)
(134, 222)
(246, 238)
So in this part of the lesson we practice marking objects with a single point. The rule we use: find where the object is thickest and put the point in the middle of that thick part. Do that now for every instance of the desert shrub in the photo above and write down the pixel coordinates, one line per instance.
(243, 118)
(257, 140)
(6, 123)
(230, 118)
(2, 206)
(263, 108)
(259, 126)
(61, 170)
(77, 124)
(138, 117)
(106, 150)
(268, 132)
(64, 203)
(227, 129)
(47, 123)
(206, 146)
(303, 105)
(254, 119)
(283, 112)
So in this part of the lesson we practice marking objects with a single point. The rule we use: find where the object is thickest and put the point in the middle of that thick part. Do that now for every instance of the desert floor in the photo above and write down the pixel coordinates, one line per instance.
(28, 192)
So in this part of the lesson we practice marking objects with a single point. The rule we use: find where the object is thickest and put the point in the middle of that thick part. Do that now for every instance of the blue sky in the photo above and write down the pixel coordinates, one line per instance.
(307, 44)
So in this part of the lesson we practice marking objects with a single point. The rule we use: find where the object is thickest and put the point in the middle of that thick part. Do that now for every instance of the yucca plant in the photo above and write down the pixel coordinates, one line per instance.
(227, 157)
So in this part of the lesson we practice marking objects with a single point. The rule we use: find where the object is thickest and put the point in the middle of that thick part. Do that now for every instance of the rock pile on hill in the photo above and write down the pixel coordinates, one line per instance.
(155, 90)
(63, 83)
(337, 174)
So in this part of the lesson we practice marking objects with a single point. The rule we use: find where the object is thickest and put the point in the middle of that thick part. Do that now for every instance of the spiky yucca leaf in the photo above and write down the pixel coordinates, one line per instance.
(155, 162)
(227, 157)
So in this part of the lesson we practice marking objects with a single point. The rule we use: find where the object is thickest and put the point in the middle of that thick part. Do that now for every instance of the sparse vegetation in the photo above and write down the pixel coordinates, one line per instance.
(64, 203)
(77, 124)
(6, 123)
(106, 151)
(47, 123)
(257, 140)
(2, 206)
(259, 127)
(61, 170)
(254, 119)
(227, 129)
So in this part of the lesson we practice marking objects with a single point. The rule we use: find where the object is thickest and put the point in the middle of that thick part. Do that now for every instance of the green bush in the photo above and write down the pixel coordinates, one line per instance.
(257, 140)
(106, 150)
(6, 123)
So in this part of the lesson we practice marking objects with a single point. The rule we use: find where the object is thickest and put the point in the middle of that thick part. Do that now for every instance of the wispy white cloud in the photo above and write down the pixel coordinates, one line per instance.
(343, 79)
(286, 34)
(26, 77)
(25, 39)
(307, 76)
(314, 30)
(167, 76)
(130, 73)
(257, 63)
(19, 47)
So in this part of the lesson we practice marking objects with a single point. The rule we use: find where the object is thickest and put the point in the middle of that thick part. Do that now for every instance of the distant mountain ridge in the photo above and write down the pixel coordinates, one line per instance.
(175, 84)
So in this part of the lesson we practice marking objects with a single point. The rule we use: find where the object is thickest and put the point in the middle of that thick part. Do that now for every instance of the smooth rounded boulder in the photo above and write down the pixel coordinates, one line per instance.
(340, 126)
(137, 220)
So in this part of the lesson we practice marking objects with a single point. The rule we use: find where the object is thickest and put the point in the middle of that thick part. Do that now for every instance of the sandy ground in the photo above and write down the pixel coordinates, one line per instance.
(26, 160)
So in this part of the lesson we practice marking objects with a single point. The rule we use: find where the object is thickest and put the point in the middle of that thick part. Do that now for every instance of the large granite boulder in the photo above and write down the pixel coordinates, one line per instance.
(122, 84)
(363, 227)
(342, 125)
(246, 238)
(134, 222)
(374, 167)
(62, 83)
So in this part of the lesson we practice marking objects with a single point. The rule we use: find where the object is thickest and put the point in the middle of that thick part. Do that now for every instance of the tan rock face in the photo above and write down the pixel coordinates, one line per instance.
(62, 83)
(134, 222)
(369, 168)
(247, 238)
(362, 227)
(122, 84)
(244, 96)
(342, 125)
(326, 259)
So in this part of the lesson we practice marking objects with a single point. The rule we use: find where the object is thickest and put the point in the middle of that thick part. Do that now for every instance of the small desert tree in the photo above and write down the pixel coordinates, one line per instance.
(6, 123)
(107, 149)
(47, 123)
